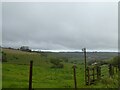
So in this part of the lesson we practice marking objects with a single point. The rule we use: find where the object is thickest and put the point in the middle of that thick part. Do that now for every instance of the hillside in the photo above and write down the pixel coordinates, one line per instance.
(16, 70)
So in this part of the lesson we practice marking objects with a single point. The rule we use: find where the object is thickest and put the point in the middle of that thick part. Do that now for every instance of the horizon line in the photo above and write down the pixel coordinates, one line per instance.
(43, 50)
(69, 50)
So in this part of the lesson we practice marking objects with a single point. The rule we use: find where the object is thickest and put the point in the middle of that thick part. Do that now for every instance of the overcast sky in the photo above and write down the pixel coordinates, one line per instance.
(60, 26)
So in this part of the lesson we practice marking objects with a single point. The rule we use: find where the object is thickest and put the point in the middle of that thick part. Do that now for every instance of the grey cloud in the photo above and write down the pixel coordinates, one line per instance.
(60, 25)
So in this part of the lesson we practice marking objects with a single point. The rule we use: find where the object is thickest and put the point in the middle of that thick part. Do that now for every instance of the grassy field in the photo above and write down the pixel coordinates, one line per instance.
(15, 72)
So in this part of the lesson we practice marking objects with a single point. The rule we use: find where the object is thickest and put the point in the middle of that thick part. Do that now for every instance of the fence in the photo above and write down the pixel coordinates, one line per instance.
(112, 70)
(93, 74)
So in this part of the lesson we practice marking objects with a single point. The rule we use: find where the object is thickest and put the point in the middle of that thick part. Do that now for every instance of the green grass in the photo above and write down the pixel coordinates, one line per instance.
(16, 73)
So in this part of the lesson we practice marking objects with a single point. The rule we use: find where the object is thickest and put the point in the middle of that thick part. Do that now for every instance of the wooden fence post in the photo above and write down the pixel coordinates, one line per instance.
(111, 70)
(30, 75)
(75, 82)
(98, 72)
(93, 74)
(88, 75)
(116, 69)
(84, 50)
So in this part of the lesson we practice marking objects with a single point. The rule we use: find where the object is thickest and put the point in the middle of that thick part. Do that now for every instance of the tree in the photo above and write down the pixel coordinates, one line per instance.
(25, 48)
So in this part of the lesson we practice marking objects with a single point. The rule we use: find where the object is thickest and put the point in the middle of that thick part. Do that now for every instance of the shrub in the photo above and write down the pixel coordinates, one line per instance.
(56, 63)
(115, 61)
(91, 62)
(106, 81)
(4, 58)
(65, 59)
(15, 57)
(58, 66)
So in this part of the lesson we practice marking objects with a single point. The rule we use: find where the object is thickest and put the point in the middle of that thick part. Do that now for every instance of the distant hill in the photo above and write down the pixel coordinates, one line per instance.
(69, 55)
(90, 55)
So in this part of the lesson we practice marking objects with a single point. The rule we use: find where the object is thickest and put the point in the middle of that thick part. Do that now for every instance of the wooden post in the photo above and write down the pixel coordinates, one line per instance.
(110, 70)
(84, 50)
(30, 75)
(75, 82)
(97, 71)
(93, 74)
(88, 76)
(113, 69)
(116, 69)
